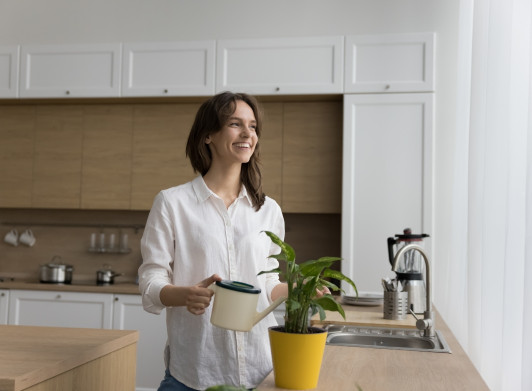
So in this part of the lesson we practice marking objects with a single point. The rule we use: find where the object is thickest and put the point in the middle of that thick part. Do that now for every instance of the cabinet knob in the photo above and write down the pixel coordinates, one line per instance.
(58, 297)
(387, 87)
(67, 92)
(116, 298)
(165, 91)
(2, 294)
(277, 89)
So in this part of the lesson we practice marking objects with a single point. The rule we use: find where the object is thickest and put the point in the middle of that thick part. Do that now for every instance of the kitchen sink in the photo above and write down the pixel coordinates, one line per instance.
(385, 338)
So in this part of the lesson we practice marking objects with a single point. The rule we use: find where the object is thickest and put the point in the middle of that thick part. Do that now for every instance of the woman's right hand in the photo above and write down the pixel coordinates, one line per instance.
(198, 297)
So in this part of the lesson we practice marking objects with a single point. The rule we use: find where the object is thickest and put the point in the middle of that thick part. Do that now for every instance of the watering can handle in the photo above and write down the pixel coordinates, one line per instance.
(261, 315)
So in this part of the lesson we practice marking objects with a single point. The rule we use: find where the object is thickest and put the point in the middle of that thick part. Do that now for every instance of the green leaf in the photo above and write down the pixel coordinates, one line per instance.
(285, 247)
(329, 285)
(276, 270)
(339, 276)
(329, 303)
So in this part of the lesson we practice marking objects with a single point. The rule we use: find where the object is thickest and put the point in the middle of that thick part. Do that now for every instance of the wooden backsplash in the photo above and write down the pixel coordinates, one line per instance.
(67, 233)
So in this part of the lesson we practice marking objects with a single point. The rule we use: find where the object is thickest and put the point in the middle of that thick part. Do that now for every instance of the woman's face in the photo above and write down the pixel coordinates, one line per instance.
(236, 140)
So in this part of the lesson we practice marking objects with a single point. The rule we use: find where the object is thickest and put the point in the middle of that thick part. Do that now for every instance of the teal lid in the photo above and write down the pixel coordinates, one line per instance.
(238, 286)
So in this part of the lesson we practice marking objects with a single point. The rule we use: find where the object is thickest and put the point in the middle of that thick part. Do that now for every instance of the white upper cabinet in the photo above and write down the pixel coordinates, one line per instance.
(9, 65)
(280, 65)
(168, 69)
(389, 63)
(84, 70)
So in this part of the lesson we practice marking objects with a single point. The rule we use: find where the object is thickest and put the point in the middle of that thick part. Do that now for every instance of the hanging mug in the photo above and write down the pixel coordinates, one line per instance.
(12, 237)
(27, 238)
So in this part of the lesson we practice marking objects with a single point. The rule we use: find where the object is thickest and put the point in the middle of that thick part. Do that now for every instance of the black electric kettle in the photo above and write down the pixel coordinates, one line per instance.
(410, 268)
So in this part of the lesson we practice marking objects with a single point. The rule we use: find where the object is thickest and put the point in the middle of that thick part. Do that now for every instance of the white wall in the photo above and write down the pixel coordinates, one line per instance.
(94, 21)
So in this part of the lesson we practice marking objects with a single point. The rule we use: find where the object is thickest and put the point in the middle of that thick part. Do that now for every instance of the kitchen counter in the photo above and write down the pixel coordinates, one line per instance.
(345, 368)
(76, 286)
(54, 358)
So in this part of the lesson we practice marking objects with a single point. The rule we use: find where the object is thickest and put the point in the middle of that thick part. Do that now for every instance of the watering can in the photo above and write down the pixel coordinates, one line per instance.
(235, 305)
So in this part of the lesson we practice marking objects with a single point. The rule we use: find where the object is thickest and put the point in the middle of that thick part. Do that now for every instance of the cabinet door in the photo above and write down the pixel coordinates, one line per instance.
(389, 63)
(53, 71)
(159, 141)
(387, 179)
(271, 149)
(4, 305)
(17, 131)
(280, 66)
(312, 157)
(60, 309)
(57, 157)
(129, 315)
(168, 69)
(107, 147)
(9, 66)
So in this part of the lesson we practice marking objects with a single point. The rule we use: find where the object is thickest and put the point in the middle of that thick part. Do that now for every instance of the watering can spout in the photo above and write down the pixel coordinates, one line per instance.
(261, 315)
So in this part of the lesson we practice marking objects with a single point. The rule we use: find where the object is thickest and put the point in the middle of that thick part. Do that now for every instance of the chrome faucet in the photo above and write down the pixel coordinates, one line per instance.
(427, 323)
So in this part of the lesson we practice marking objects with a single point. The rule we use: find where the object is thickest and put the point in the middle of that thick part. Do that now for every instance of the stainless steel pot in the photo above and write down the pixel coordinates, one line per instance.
(106, 276)
(56, 273)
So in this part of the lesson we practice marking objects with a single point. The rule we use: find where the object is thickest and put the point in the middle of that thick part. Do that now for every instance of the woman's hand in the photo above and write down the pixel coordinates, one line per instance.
(323, 291)
(199, 296)
(196, 297)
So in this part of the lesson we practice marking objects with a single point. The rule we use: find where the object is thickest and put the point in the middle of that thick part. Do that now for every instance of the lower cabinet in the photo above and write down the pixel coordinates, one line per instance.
(93, 310)
(60, 309)
(4, 302)
(128, 314)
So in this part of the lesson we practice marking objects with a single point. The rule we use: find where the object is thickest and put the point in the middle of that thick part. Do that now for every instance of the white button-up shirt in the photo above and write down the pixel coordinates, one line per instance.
(190, 235)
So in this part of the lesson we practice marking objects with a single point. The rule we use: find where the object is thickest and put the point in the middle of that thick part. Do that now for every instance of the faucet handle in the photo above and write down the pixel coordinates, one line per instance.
(421, 324)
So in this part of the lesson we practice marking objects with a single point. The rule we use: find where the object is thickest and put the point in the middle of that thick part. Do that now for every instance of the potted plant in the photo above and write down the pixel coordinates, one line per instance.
(297, 348)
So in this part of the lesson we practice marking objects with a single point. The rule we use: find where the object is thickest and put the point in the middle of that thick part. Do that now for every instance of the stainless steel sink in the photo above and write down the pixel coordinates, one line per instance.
(386, 338)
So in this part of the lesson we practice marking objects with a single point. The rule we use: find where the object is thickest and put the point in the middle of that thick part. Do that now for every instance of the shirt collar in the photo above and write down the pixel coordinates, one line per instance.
(203, 192)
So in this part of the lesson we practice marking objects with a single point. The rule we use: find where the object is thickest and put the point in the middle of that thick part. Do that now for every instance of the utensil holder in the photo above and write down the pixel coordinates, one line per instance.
(395, 305)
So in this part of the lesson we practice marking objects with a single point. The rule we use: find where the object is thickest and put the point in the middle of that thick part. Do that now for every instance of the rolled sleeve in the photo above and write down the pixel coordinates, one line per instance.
(157, 256)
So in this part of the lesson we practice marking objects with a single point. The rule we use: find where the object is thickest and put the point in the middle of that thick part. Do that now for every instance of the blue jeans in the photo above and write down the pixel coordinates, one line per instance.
(170, 383)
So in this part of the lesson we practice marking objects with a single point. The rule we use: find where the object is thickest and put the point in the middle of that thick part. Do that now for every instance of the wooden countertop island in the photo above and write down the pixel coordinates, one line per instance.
(346, 368)
(55, 358)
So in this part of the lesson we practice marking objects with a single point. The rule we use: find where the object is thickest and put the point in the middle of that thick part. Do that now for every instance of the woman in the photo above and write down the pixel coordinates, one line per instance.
(207, 230)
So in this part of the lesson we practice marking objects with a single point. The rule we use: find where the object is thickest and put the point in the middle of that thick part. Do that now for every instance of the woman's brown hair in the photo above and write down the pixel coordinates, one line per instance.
(210, 119)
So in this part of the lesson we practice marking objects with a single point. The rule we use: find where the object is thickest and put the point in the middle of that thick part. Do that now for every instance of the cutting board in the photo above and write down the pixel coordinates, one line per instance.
(363, 316)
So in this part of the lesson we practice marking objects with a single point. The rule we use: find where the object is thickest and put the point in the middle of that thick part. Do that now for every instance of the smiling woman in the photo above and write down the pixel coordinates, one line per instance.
(208, 230)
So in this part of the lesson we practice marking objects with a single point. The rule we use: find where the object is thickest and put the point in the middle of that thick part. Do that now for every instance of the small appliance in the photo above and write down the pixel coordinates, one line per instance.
(410, 268)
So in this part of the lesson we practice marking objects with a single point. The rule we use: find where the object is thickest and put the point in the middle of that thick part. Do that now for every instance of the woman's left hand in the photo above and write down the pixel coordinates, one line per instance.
(323, 291)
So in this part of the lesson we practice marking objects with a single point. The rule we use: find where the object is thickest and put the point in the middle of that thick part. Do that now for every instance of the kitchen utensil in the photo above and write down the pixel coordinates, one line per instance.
(395, 305)
(12, 237)
(56, 273)
(235, 305)
(410, 268)
(27, 238)
(106, 276)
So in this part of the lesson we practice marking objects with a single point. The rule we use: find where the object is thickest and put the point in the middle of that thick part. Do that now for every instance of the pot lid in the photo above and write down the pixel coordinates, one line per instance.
(238, 286)
(408, 236)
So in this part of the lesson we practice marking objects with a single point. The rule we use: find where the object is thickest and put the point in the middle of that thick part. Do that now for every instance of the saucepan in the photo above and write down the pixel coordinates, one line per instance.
(106, 276)
(56, 272)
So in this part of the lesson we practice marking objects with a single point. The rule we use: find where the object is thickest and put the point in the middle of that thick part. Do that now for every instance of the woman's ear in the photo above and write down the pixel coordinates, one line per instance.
(208, 140)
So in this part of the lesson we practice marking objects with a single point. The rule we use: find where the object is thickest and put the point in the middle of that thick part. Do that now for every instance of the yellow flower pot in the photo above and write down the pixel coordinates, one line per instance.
(297, 358)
